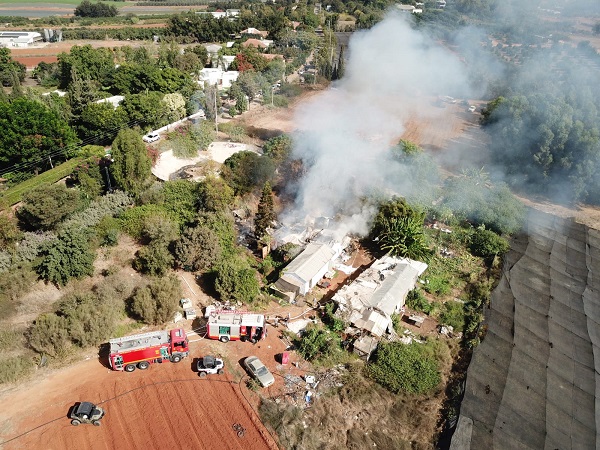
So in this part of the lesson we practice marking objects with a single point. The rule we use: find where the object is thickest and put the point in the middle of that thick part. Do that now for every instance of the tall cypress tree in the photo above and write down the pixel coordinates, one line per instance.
(266, 213)
(340, 65)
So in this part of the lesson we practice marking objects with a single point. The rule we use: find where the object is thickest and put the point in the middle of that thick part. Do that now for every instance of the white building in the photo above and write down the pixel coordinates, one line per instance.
(369, 301)
(115, 100)
(19, 38)
(306, 270)
(217, 76)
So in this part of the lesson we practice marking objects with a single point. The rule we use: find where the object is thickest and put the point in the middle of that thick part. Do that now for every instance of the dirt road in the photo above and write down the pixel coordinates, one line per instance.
(167, 406)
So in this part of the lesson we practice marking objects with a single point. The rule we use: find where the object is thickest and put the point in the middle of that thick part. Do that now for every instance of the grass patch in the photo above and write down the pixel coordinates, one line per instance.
(15, 368)
(9, 337)
(14, 194)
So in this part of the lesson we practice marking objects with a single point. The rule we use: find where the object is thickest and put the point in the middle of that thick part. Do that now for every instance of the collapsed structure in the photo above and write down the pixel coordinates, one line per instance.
(369, 302)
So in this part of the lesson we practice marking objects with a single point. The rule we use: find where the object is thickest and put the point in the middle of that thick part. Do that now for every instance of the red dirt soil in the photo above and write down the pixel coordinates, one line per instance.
(167, 406)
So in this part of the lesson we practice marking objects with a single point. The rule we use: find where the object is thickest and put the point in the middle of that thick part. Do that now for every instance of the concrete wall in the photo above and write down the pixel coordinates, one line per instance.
(532, 382)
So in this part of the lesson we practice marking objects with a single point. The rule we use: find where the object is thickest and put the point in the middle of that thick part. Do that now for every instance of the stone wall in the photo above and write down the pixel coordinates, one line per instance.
(532, 382)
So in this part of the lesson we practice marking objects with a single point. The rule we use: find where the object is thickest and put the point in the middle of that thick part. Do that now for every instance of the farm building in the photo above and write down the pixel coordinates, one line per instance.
(369, 302)
(306, 270)
(19, 38)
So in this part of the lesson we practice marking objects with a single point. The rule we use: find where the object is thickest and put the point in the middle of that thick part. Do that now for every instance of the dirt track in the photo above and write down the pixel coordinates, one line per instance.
(167, 406)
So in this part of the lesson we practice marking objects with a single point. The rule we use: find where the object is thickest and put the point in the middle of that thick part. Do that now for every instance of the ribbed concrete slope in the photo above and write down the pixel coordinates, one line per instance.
(533, 382)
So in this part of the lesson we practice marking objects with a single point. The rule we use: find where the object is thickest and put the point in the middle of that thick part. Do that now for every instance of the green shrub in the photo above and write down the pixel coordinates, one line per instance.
(156, 304)
(153, 259)
(236, 281)
(404, 368)
(49, 335)
(453, 314)
(487, 244)
(198, 249)
(68, 256)
(45, 206)
(415, 300)
(133, 219)
(330, 320)
(9, 338)
(318, 344)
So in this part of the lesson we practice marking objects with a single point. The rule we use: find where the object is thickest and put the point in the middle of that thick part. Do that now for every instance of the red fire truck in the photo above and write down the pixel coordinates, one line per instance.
(141, 350)
(228, 325)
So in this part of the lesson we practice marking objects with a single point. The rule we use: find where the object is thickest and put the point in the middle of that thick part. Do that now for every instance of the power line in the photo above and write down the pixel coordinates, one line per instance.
(84, 142)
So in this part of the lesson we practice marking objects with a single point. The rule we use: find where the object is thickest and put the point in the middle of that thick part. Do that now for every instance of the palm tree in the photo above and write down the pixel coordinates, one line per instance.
(404, 237)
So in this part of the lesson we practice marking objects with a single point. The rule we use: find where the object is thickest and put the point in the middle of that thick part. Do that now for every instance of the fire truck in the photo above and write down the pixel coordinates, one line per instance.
(141, 350)
(231, 325)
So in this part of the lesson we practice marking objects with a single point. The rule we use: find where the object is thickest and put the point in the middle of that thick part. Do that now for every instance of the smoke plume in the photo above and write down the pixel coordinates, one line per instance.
(347, 132)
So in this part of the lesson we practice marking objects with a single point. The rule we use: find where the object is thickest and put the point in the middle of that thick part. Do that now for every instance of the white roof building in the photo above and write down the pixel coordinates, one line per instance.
(115, 100)
(306, 270)
(19, 38)
(216, 76)
(369, 302)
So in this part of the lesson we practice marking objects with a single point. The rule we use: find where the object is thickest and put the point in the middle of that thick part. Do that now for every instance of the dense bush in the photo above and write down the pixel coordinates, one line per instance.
(198, 249)
(404, 368)
(44, 207)
(236, 281)
(245, 171)
(68, 256)
(133, 219)
(111, 204)
(49, 335)
(317, 344)
(31, 245)
(486, 243)
(156, 304)
(214, 195)
(153, 259)
(416, 301)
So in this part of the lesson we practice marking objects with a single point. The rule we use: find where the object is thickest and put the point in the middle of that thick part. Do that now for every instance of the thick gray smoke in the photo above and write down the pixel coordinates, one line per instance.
(392, 71)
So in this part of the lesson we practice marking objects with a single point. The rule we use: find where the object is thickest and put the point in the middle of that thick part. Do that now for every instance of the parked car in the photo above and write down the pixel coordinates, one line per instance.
(151, 137)
(209, 365)
(472, 108)
(258, 370)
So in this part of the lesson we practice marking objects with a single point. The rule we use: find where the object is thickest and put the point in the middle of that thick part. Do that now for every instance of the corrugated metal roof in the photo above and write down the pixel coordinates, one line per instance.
(308, 263)
(396, 285)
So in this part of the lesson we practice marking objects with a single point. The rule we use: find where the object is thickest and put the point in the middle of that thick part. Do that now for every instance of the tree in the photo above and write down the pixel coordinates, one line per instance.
(404, 368)
(100, 122)
(146, 109)
(236, 281)
(68, 256)
(11, 71)
(278, 148)
(82, 91)
(47, 74)
(153, 259)
(87, 62)
(266, 213)
(246, 170)
(32, 133)
(156, 304)
(404, 237)
(89, 9)
(341, 65)
(214, 195)
(132, 165)
(45, 206)
(198, 249)
(175, 105)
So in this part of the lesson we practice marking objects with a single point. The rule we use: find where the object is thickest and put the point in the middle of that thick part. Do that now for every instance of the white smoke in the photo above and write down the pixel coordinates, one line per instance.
(348, 131)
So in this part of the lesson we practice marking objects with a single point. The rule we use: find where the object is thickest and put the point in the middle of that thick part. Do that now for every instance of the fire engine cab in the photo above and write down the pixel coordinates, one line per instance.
(229, 325)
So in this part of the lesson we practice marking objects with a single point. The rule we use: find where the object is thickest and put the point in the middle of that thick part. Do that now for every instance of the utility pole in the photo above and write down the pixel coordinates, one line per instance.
(216, 114)
(50, 159)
